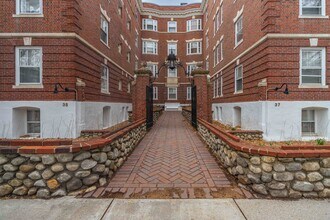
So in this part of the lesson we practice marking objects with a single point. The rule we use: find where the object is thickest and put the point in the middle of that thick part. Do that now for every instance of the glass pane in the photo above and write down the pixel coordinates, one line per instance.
(311, 72)
(308, 127)
(308, 115)
(239, 85)
(29, 75)
(311, 3)
(33, 115)
(311, 79)
(30, 57)
(33, 128)
(312, 58)
(312, 11)
(30, 6)
(104, 36)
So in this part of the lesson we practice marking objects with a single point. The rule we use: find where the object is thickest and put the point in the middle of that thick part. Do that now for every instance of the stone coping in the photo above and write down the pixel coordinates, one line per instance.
(33, 142)
(70, 148)
(284, 151)
(245, 131)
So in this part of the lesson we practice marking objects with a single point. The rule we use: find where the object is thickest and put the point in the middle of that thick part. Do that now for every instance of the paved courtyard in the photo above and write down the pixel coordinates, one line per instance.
(170, 162)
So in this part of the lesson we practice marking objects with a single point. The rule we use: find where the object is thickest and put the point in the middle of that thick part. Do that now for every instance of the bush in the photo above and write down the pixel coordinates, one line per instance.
(320, 141)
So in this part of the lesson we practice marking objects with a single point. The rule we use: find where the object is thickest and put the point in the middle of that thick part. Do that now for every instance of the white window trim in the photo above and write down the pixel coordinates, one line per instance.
(155, 93)
(144, 49)
(199, 25)
(323, 73)
(154, 67)
(323, 14)
(176, 93)
(105, 91)
(237, 43)
(189, 93)
(106, 43)
(18, 84)
(154, 24)
(168, 27)
(18, 14)
(240, 91)
(199, 49)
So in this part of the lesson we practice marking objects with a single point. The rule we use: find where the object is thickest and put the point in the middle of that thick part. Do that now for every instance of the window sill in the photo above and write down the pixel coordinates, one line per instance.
(239, 43)
(194, 54)
(105, 92)
(28, 86)
(314, 17)
(238, 92)
(313, 86)
(105, 44)
(150, 53)
(28, 15)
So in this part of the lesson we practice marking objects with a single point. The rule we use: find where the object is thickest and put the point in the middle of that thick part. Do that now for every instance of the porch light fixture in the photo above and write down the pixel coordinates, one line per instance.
(65, 89)
(171, 62)
(286, 90)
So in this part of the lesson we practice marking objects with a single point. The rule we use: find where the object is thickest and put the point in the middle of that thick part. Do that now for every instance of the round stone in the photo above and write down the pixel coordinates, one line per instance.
(58, 167)
(239, 169)
(26, 168)
(326, 182)
(294, 166)
(325, 163)
(266, 177)
(18, 161)
(48, 160)
(303, 186)
(294, 194)
(266, 167)
(59, 193)
(88, 164)
(3, 159)
(311, 166)
(279, 193)
(35, 158)
(15, 182)
(35, 175)
(8, 176)
(20, 175)
(40, 183)
(5, 190)
(28, 183)
(254, 169)
(20, 191)
(40, 167)
(278, 167)
(47, 174)
(276, 185)
(255, 160)
(318, 187)
(90, 180)
(99, 168)
(268, 159)
(300, 176)
(64, 177)
(241, 161)
(102, 181)
(9, 167)
(120, 162)
(254, 178)
(32, 191)
(83, 173)
(73, 184)
(43, 193)
(260, 188)
(64, 158)
(325, 172)
(53, 184)
(325, 193)
(285, 176)
(82, 156)
(314, 177)
(72, 166)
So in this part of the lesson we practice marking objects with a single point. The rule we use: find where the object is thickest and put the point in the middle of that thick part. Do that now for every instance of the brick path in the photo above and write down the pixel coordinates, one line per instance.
(170, 162)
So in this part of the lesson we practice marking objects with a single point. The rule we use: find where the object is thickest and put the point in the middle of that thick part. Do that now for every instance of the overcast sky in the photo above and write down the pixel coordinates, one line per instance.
(171, 2)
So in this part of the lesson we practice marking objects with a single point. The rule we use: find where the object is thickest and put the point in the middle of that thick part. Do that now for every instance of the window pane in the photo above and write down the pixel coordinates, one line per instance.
(239, 85)
(33, 128)
(30, 6)
(33, 115)
(311, 3)
(312, 58)
(30, 57)
(29, 75)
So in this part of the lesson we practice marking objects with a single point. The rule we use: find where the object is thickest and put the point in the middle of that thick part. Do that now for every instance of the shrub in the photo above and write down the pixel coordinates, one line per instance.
(320, 141)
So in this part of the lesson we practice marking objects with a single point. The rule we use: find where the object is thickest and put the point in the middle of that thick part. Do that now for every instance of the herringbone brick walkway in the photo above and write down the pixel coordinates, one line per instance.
(170, 162)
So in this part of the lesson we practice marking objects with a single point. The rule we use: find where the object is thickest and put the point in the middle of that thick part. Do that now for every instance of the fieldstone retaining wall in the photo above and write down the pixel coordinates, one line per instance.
(59, 174)
(248, 135)
(266, 172)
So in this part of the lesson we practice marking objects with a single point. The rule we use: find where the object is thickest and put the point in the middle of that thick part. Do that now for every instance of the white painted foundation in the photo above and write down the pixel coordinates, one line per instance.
(60, 119)
(278, 120)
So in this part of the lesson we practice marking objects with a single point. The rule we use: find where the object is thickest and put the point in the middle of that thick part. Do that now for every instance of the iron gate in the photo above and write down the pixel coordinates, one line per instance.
(149, 107)
(193, 107)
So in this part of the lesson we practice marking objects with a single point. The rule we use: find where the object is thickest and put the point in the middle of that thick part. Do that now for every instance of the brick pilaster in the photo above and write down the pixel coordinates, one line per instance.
(204, 96)
(139, 96)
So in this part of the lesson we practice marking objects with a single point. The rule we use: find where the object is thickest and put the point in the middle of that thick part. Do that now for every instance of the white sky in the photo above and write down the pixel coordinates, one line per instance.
(171, 2)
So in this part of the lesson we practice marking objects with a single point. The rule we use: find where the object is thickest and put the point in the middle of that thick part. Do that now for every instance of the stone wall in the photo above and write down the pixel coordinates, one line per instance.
(248, 135)
(187, 114)
(52, 175)
(157, 113)
(270, 175)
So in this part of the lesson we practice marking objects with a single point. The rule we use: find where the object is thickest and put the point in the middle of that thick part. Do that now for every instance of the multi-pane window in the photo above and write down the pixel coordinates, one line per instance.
(221, 14)
(194, 47)
(219, 86)
(128, 24)
(155, 93)
(172, 26)
(120, 48)
(33, 122)
(153, 68)
(149, 47)
(120, 9)
(308, 121)
(194, 25)
(29, 7)
(149, 24)
(312, 70)
(312, 7)
(104, 29)
(104, 79)
(172, 72)
(189, 93)
(239, 30)
(120, 85)
(172, 48)
(128, 57)
(190, 68)
(172, 93)
(28, 65)
(217, 54)
(137, 40)
(216, 22)
(239, 79)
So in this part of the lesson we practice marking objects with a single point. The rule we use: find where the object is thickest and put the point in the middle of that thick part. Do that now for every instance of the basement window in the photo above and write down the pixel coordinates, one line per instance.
(33, 122)
(308, 122)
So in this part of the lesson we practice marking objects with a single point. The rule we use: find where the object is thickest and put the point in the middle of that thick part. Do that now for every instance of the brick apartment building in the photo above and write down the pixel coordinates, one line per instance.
(249, 47)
